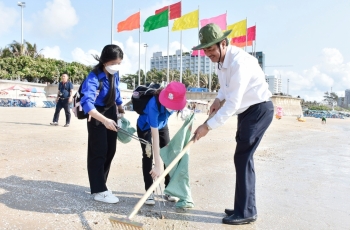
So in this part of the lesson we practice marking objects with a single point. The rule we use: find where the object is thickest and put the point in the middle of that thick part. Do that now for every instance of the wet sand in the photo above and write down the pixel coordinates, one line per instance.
(302, 168)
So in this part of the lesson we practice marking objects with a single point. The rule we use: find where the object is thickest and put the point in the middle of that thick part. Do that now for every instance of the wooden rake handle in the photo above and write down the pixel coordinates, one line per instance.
(166, 171)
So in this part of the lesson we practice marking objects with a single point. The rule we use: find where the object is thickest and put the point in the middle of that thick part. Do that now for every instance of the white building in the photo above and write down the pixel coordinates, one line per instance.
(159, 62)
(275, 83)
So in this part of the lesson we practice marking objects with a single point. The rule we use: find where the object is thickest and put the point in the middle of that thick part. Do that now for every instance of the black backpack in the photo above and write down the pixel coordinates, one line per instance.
(77, 108)
(141, 96)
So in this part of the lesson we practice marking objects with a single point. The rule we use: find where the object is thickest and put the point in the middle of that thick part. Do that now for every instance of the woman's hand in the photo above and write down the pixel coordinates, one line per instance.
(155, 172)
(110, 124)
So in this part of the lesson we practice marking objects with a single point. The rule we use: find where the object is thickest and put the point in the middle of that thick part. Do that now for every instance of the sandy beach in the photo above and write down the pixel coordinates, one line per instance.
(302, 169)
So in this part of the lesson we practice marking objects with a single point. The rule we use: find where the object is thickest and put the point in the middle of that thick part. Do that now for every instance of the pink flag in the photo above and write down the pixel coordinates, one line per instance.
(251, 33)
(219, 20)
(195, 53)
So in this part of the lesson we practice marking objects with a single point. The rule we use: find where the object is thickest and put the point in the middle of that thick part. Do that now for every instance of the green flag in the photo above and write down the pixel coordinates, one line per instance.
(156, 21)
(179, 184)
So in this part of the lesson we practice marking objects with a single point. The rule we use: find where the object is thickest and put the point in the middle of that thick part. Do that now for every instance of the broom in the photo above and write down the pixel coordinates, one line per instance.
(127, 223)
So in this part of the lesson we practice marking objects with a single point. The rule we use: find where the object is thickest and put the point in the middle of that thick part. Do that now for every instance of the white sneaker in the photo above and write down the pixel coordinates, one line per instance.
(106, 197)
(150, 200)
(171, 198)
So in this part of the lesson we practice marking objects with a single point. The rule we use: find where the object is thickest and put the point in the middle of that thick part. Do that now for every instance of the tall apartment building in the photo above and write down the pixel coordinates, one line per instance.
(347, 98)
(261, 59)
(275, 83)
(159, 62)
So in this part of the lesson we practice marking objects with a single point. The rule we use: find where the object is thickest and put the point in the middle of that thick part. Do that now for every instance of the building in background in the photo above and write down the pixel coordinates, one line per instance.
(275, 83)
(261, 58)
(159, 62)
(347, 98)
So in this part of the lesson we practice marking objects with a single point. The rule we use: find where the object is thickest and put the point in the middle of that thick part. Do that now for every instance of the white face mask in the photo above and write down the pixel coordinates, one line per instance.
(112, 69)
(169, 110)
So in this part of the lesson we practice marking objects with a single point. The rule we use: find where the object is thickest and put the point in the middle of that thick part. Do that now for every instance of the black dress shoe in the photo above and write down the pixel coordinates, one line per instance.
(236, 220)
(229, 212)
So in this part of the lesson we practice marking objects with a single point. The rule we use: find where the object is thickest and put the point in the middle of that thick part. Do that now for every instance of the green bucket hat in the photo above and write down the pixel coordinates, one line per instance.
(210, 35)
(122, 137)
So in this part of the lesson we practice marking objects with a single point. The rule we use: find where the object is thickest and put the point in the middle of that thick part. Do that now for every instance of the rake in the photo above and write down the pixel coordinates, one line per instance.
(127, 223)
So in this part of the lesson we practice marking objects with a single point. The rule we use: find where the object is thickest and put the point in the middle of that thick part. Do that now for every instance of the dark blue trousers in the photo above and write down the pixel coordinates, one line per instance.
(62, 103)
(251, 127)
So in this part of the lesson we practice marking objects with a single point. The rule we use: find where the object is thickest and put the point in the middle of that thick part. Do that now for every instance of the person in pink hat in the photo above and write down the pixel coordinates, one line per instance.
(153, 127)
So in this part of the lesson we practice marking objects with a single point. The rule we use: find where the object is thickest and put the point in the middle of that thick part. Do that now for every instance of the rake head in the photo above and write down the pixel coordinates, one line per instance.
(124, 223)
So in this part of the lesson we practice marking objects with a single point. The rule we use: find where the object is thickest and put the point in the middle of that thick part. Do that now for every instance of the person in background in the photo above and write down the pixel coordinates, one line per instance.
(153, 127)
(102, 127)
(63, 99)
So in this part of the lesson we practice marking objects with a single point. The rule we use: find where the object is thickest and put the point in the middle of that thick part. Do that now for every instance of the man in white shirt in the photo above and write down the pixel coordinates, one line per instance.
(245, 91)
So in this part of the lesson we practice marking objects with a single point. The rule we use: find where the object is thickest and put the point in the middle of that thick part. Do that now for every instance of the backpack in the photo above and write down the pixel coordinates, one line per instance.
(141, 96)
(77, 108)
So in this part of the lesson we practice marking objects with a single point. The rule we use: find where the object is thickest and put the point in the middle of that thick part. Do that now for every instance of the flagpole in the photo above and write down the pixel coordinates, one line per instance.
(112, 21)
(167, 74)
(181, 48)
(139, 52)
(199, 57)
(255, 42)
(180, 56)
(246, 34)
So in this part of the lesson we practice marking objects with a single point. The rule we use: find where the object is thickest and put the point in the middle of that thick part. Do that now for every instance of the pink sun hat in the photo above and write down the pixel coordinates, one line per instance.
(173, 96)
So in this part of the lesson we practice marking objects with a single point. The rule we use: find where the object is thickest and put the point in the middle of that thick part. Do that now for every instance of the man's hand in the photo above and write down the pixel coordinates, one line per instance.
(70, 99)
(215, 106)
(200, 132)
(57, 98)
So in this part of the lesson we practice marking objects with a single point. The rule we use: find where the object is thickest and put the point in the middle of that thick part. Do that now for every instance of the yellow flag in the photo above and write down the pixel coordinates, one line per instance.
(238, 29)
(187, 21)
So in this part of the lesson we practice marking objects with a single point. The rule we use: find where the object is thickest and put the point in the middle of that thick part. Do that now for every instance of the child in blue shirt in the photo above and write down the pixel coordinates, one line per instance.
(153, 127)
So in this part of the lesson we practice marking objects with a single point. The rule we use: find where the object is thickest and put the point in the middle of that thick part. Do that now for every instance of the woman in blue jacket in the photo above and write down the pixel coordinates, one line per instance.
(102, 108)
(153, 127)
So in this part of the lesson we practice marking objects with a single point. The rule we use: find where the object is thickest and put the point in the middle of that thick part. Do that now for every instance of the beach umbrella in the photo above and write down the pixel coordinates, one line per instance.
(16, 87)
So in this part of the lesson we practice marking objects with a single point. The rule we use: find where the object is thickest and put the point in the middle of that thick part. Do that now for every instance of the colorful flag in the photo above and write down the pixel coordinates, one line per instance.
(240, 41)
(195, 53)
(175, 10)
(238, 29)
(219, 20)
(131, 23)
(187, 21)
(251, 33)
(156, 21)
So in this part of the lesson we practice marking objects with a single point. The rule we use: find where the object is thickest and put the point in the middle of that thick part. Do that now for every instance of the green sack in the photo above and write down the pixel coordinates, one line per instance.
(179, 185)
(122, 137)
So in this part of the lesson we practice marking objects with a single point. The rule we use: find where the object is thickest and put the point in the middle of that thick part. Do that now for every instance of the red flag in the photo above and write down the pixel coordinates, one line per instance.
(175, 10)
(240, 41)
(251, 33)
(131, 23)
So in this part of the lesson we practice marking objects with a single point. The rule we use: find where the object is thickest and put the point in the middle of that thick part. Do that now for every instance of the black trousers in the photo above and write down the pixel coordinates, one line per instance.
(251, 127)
(147, 163)
(102, 144)
(62, 103)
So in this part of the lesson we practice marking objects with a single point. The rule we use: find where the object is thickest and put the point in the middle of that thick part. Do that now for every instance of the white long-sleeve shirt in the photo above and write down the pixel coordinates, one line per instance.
(242, 84)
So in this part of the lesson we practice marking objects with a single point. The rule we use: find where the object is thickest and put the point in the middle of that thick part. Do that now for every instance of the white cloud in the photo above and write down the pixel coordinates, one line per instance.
(58, 18)
(331, 73)
(85, 58)
(52, 52)
(8, 17)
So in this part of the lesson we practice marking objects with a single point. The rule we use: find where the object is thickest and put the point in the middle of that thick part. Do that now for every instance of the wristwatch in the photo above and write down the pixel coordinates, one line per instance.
(209, 128)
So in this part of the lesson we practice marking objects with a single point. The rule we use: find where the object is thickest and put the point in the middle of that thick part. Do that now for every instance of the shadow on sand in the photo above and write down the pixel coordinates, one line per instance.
(60, 198)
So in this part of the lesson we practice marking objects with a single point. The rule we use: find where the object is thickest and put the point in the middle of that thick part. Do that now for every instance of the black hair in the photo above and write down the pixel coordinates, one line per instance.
(109, 53)
(218, 44)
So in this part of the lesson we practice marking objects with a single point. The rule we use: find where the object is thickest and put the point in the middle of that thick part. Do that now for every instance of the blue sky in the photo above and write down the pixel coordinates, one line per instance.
(310, 36)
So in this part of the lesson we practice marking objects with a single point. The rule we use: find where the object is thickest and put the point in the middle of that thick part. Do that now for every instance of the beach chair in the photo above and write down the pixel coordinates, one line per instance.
(46, 104)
